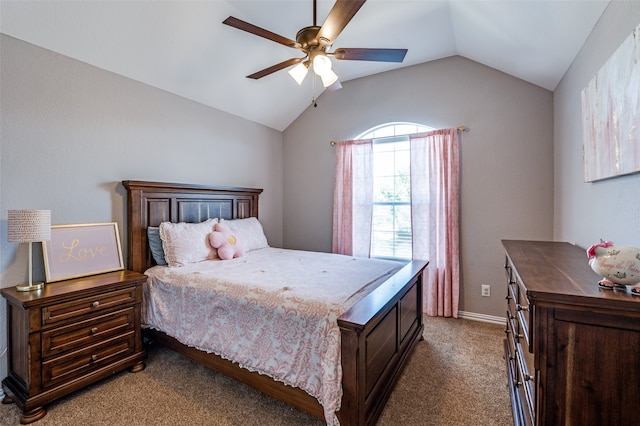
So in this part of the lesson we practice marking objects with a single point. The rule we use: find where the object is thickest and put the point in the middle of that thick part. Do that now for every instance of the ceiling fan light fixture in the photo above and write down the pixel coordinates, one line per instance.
(335, 86)
(314, 41)
(321, 64)
(299, 72)
(328, 77)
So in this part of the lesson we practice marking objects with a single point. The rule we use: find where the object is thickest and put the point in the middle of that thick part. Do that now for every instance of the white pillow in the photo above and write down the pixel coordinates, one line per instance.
(249, 231)
(187, 242)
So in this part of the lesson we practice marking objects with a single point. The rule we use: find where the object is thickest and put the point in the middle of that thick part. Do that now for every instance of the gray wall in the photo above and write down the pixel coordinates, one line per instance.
(507, 159)
(71, 132)
(609, 209)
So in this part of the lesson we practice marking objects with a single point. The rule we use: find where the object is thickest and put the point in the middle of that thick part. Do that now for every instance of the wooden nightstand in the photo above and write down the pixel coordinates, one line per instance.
(69, 335)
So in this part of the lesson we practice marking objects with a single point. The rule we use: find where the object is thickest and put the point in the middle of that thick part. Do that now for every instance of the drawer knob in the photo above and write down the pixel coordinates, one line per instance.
(529, 378)
(94, 330)
(94, 358)
(519, 307)
(95, 304)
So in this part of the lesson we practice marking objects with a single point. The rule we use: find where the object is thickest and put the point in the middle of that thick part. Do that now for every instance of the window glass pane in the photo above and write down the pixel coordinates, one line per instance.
(406, 129)
(403, 145)
(383, 132)
(403, 163)
(382, 244)
(381, 147)
(402, 188)
(391, 233)
(403, 219)
(393, 129)
(392, 238)
(381, 215)
(383, 189)
(384, 163)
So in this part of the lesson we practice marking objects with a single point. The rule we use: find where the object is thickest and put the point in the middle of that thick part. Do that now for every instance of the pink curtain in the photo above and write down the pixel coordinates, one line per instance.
(435, 182)
(353, 198)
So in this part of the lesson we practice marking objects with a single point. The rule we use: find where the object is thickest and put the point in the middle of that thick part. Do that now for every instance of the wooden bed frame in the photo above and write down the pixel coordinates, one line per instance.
(378, 333)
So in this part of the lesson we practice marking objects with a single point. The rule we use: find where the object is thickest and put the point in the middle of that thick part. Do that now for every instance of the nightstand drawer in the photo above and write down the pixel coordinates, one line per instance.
(64, 311)
(74, 364)
(87, 332)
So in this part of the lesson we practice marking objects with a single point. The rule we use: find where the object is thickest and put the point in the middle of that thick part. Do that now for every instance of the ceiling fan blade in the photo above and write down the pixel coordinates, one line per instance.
(364, 54)
(277, 67)
(338, 18)
(261, 32)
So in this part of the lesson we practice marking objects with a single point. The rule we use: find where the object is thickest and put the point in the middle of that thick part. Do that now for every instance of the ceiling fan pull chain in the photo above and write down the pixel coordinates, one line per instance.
(313, 92)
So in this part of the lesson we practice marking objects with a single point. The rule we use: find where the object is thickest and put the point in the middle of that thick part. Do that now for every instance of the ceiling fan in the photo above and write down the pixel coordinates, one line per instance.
(314, 41)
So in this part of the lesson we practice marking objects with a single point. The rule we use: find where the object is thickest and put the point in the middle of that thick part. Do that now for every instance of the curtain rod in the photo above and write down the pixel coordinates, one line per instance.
(459, 128)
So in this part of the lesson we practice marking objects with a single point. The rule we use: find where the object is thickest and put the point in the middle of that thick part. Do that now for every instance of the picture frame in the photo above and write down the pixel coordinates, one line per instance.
(610, 115)
(81, 250)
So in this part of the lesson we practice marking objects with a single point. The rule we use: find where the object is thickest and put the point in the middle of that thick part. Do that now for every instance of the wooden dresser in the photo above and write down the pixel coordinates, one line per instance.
(70, 334)
(572, 349)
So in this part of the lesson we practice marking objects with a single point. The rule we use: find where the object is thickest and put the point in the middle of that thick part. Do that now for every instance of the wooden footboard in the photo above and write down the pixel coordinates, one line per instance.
(378, 332)
(378, 335)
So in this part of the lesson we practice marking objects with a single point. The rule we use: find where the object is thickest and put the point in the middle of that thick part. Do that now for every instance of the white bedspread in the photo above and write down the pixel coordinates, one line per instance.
(273, 311)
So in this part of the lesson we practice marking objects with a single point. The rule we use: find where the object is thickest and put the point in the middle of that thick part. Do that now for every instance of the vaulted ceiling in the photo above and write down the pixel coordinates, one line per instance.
(183, 47)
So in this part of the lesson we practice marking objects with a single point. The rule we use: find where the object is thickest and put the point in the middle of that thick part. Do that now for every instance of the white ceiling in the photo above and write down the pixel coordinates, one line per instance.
(183, 47)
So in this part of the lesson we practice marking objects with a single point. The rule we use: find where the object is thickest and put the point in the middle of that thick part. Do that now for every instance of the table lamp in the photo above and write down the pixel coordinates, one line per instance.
(29, 226)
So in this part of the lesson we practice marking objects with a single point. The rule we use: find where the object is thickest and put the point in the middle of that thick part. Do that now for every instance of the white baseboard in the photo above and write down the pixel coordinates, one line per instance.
(482, 317)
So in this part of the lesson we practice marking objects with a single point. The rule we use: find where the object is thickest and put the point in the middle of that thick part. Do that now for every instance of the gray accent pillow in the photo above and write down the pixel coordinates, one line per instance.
(155, 244)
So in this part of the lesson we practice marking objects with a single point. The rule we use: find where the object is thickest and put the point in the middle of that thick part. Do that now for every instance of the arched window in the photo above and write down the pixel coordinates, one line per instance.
(383, 131)
(391, 222)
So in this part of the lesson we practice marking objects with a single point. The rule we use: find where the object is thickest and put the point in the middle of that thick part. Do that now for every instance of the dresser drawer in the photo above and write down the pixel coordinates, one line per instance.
(525, 378)
(77, 363)
(523, 312)
(87, 332)
(521, 391)
(510, 347)
(519, 303)
(67, 310)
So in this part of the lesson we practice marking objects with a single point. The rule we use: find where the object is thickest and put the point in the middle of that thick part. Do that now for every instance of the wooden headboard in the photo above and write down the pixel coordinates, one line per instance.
(150, 203)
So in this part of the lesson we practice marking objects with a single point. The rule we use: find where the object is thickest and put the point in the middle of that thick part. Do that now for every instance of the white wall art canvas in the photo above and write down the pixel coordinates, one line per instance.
(611, 115)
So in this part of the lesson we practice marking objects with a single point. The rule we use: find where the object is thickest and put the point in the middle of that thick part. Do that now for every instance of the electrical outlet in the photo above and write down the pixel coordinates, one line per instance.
(486, 290)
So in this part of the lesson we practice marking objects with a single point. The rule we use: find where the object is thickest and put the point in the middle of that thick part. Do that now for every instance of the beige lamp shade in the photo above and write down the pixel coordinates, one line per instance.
(29, 226)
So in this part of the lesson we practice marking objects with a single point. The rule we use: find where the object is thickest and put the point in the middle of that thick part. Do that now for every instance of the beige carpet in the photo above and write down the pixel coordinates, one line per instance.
(456, 376)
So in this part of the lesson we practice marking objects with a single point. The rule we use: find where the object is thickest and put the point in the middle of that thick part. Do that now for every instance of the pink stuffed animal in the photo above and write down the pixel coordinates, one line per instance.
(223, 239)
